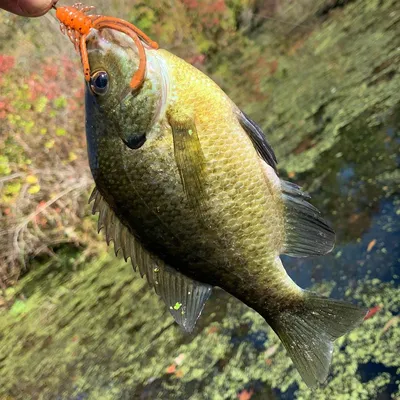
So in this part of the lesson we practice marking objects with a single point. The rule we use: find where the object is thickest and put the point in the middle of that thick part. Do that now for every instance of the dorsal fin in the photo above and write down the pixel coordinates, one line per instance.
(307, 233)
(257, 136)
(184, 297)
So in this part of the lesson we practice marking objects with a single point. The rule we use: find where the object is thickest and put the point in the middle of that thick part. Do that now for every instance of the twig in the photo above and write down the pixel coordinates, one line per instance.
(30, 217)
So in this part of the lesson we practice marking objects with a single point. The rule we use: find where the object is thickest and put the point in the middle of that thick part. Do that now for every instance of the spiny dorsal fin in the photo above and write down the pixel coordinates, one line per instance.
(184, 297)
(307, 233)
(257, 136)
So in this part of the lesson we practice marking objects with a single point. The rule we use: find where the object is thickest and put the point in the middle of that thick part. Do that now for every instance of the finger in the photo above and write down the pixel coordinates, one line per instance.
(27, 8)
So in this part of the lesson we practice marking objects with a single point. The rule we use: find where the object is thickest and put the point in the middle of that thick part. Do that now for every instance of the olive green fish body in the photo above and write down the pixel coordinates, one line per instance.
(239, 234)
(183, 175)
(242, 204)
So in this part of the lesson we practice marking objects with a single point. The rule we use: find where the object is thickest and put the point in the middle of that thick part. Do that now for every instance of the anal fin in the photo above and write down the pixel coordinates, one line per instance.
(184, 297)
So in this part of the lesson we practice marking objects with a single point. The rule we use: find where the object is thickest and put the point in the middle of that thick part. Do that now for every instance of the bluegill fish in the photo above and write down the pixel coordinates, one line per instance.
(187, 187)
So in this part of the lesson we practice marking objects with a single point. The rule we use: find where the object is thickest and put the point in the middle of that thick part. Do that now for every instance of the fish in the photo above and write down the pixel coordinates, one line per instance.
(187, 187)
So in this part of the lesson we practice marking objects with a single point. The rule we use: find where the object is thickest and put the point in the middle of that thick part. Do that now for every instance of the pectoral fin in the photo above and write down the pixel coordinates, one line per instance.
(188, 155)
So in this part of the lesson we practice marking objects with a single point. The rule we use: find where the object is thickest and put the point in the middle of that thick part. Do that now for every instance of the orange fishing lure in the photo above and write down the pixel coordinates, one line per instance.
(76, 23)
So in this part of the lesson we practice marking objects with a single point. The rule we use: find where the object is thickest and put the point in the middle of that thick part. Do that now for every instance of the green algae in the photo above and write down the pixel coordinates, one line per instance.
(100, 332)
(177, 306)
(340, 70)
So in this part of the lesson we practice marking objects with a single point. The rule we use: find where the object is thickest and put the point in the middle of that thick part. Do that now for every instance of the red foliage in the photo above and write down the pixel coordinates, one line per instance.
(53, 80)
(171, 369)
(198, 59)
(372, 311)
(69, 68)
(273, 66)
(50, 71)
(212, 329)
(209, 12)
(191, 4)
(5, 108)
(39, 87)
(6, 63)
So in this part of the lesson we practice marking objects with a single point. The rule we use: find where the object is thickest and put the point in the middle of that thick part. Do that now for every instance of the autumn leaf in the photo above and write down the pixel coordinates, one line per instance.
(34, 189)
(31, 179)
(372, 311)
(178, 360)
(171, 369)
(246, 394)
(354, 217)
(212, 329)
(392, 322)
(371, 244)
(179, 373)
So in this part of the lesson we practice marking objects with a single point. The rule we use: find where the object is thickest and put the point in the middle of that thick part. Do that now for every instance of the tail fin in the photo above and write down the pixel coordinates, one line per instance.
(309, 331)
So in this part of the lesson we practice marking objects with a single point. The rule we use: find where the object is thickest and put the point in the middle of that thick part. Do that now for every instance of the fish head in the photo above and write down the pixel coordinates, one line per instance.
(113, 60)
(113, 108)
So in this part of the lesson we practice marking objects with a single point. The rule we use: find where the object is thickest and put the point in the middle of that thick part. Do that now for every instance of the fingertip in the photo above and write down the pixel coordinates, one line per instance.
(37, 8)
(28, 8)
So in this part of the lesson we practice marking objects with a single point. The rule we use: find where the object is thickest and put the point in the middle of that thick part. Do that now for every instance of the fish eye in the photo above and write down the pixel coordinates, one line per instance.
(99, 82)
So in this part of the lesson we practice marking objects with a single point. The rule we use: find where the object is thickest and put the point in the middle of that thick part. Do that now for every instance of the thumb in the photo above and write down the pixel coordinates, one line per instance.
(28, 8)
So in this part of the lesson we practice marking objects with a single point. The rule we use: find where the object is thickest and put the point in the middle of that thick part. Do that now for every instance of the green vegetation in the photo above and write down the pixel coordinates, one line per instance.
(75, 329)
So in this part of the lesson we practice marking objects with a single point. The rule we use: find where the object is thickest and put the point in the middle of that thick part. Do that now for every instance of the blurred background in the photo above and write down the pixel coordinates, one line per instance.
(322, 79)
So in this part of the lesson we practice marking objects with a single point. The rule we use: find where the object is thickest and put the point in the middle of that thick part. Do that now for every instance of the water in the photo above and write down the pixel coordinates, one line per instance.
(356, 185)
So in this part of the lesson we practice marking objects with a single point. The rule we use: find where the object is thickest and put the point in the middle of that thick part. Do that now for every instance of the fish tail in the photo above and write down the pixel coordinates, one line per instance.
(308, 331)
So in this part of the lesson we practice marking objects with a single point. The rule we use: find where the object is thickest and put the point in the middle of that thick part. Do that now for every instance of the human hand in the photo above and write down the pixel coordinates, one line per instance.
(27, 8)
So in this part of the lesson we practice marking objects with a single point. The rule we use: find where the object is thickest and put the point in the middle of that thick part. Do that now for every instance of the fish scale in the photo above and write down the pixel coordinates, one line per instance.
(217, 134)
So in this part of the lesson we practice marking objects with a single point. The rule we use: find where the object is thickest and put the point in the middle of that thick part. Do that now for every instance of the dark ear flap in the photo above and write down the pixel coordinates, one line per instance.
(257, 136)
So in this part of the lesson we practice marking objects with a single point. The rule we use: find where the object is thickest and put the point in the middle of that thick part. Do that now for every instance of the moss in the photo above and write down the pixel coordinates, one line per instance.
(100, 333)
(340, 70)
